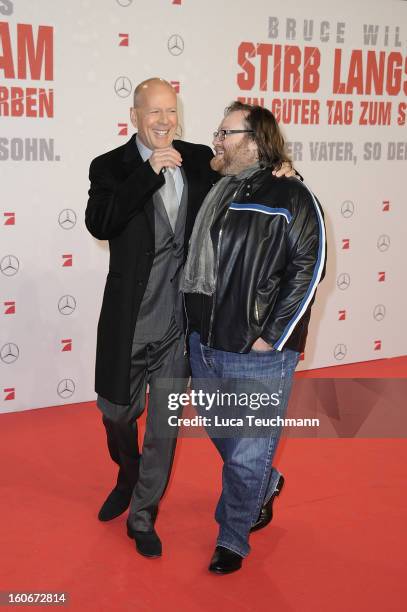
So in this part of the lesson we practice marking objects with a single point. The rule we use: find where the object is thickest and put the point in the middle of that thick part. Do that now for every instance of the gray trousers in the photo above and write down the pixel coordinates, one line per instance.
(165, 368)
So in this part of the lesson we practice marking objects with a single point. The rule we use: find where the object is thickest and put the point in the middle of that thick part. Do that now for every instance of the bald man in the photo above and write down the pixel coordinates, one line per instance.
(143, 199)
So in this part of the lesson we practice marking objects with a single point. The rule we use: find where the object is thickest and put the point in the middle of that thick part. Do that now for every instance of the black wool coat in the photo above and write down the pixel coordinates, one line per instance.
(120, 209)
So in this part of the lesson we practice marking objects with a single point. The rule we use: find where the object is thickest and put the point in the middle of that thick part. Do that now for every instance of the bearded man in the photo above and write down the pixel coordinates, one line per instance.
(257, 254)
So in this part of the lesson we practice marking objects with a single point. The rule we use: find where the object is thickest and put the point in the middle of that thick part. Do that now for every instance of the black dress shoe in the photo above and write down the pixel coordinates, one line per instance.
(115, 504)
(148, 543)
(266, 513)
(225, 561)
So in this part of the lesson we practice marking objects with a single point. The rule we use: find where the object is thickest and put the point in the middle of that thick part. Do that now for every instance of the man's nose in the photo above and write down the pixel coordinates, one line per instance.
(215, 139)
(164, 117)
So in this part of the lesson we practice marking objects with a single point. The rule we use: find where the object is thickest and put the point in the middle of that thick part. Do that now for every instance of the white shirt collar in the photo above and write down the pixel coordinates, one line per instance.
(144, 151)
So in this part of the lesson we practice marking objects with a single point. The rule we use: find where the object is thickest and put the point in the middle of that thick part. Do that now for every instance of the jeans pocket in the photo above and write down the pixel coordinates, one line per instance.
(207, 355)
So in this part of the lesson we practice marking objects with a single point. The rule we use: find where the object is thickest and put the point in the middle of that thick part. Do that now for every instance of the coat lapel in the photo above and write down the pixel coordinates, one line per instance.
(132, 159)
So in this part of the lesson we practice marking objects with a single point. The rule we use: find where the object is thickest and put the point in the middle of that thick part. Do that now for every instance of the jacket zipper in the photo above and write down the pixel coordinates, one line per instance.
(216, 273)
(256, 311)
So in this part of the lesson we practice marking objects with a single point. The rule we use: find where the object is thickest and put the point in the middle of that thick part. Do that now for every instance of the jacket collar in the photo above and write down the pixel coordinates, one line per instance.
(131, 152)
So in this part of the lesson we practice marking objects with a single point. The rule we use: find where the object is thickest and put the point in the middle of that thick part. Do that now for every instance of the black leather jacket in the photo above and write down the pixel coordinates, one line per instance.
(271, 253)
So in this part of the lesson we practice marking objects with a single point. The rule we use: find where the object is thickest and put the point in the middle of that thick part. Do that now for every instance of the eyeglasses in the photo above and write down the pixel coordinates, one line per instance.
(221, 134)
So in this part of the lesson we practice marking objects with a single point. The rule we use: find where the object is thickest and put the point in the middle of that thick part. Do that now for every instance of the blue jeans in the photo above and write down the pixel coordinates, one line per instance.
(248, 477)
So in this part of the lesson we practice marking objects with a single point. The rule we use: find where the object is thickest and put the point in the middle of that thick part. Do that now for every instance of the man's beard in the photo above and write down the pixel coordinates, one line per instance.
(235, 159)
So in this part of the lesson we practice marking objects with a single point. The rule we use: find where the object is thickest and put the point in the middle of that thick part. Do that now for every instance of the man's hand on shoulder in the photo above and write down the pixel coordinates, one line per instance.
(165, 158)
(285, 170)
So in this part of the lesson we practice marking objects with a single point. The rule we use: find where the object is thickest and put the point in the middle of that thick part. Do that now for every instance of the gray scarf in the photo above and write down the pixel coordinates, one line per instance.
(199, 274)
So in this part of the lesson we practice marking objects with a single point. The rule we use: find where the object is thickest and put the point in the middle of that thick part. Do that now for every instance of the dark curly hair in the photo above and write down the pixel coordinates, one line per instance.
(266, 133)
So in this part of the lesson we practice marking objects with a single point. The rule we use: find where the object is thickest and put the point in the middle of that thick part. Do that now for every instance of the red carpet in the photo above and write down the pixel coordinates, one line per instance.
(338, 539)
(379, 368)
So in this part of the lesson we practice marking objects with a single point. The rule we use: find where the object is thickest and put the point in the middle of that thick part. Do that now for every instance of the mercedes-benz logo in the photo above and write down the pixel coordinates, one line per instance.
(175, 44)
(66, 388)
(9, 265)
(379, 312)
(340, 352)
(9, 353)
(343, 281)
(123, 87)
(67, 218)
(383, 243)
(347, 209)
(66, 304)
(124, 2)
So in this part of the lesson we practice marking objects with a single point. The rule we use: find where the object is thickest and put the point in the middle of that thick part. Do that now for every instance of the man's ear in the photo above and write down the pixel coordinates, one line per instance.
(133, 116)
(252, 146)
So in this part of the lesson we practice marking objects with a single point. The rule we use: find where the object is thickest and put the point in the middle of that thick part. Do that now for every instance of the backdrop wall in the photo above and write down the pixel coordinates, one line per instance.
(335, 74)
